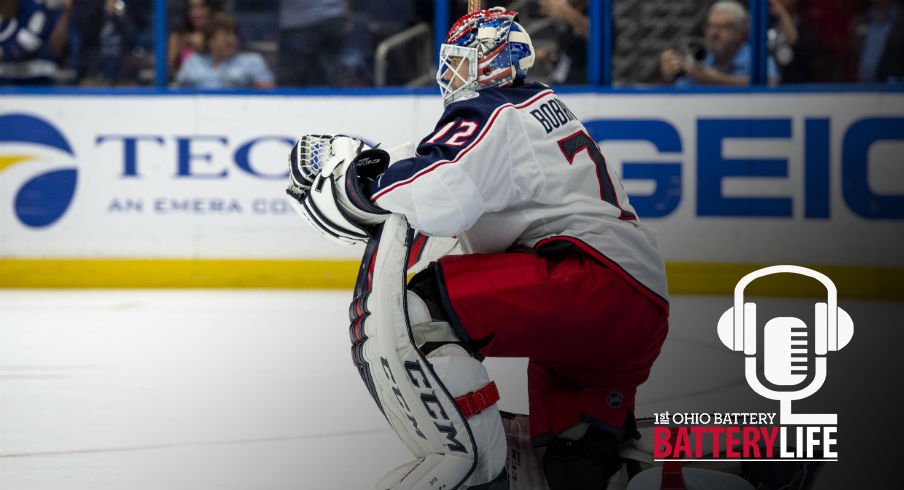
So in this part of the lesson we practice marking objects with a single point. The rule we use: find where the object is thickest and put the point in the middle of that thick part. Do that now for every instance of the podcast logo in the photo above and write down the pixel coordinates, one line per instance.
(793, 360)
(45, 197)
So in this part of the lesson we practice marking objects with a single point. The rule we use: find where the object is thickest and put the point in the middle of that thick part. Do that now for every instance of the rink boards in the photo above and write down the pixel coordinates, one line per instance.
(187, 190)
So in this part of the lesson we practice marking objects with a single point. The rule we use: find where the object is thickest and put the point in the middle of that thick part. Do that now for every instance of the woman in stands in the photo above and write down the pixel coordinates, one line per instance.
(188, 38)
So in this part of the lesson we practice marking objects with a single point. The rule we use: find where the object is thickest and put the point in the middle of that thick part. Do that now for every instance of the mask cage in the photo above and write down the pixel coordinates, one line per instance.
(451, 59)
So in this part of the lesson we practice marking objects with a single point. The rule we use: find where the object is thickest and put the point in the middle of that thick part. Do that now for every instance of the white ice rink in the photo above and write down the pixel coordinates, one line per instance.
(230, 390)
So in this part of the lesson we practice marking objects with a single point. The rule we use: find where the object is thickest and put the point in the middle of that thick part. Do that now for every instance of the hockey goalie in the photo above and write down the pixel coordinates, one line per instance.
(554, 266)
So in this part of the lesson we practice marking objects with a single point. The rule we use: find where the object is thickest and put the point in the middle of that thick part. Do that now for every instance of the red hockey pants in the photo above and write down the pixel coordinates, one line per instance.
(590, 335)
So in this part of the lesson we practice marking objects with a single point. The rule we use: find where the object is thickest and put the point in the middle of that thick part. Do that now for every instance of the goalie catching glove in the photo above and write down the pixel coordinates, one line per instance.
(329, 177)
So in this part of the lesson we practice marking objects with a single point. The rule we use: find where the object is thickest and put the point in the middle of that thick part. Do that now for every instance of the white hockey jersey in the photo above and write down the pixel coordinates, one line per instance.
(513, 167)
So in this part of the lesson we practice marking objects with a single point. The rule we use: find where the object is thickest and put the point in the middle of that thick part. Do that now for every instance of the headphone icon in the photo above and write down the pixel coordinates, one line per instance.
(833, 330)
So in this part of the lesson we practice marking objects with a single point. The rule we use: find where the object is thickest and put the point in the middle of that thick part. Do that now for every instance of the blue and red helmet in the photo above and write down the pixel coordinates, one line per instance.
(497, 49)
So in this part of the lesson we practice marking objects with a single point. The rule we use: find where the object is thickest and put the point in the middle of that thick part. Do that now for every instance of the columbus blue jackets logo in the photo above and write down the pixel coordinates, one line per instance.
(31, 142)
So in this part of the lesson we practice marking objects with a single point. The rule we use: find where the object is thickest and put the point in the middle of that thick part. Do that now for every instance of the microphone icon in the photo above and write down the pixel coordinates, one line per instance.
(789, 351)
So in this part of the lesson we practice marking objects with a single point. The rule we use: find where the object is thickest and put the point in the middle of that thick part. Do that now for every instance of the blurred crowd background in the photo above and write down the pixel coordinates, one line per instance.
(214, 44)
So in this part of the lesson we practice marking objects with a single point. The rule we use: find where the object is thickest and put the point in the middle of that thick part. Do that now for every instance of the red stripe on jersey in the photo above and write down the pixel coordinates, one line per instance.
(465, 150)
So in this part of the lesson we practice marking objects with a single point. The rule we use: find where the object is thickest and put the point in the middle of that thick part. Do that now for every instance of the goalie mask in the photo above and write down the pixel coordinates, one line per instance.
(483, 49)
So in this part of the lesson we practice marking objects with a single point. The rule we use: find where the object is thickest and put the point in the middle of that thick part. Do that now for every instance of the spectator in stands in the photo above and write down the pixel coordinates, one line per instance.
(827, 26)
(84, 37)
(571, 57)
(796, 43)
(188, 37)
(100, 38)
(32, 39)
(881, 36)
(783, 33)
(61, 16)
(311, 39)
(728, 59)
(221, 65)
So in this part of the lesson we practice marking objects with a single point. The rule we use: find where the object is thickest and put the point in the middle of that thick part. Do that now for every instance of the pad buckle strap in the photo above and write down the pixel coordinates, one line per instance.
(477, 401)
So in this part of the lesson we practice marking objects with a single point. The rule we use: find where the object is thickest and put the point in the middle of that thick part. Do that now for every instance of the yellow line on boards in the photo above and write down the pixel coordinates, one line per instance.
(852, 282)
(177, 273)
(861, 282)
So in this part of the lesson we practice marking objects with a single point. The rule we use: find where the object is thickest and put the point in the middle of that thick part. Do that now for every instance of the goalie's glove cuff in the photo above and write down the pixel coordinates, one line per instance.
(320, 208)
(366, 168)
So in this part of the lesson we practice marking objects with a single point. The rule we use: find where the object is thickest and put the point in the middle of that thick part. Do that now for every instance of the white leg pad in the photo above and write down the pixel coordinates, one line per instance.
(463, 374)
(441, 405)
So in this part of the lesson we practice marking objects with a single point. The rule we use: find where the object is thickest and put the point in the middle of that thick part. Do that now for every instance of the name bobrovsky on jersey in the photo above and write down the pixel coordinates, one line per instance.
(553, 114)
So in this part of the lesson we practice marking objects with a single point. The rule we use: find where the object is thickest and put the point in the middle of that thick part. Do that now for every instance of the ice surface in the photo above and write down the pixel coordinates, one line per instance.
(223, 390)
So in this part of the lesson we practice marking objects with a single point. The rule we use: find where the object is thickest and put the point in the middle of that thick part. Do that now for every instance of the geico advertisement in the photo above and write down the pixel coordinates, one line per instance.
(809, 178)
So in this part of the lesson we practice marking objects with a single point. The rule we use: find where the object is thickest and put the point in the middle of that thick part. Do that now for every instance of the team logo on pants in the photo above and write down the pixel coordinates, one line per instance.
(615, 399)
